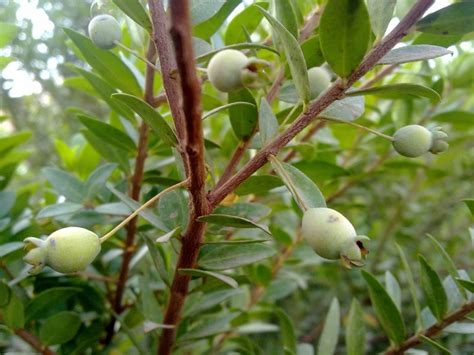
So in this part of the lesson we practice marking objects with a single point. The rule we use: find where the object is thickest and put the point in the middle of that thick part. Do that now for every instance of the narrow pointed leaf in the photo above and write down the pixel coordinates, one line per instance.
(205, 273)
(454, 19)
(413, 54)
(244, 118)
(381, 12)
(386, 310)
(330, 334)
(267, 122)
(135, 10)
(393, 289)
(225, 107)
(399, 91)
(287, 330)
(247, 19)
(233, 221)
(434, 344)
(467, 284)
(435, 294)
(355, 333)
(286, 15)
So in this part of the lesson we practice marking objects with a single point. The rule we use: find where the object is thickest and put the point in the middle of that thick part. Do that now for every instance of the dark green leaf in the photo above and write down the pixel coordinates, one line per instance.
(312, 52)
(467, 284)
(135, 10)
(107, 64)
(150, 115)
(39, 306)
(229, 256)
(107, 151)
(173, 210)
(8, 248)
(294, 56)
(413, 53)
(344, 34)
(5, 294)
(247, 19)
(208, 327)
(233, 221)
(13, 140)
(355, 333)
(243, 119)
(470, 204)
(159, 259)
(207, 28)
(399, 91)
(287, 330)
(225, 107)
(285, 14)
(108, 133)
(330, 334)
(98, 178)
(202, 10)
(14, 313)
(258, 184)
(434, 344)
(433, 289)
(60, 328)
(386, 310)
(204, 273)
(209, 300)
(65, 184)
(453, 19)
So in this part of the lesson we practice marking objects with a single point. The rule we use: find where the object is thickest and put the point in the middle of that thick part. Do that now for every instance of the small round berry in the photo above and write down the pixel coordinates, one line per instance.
(104, 31)
(332, 236)
(226, 68)
(71, 249)
(319, 80)
(412, 141)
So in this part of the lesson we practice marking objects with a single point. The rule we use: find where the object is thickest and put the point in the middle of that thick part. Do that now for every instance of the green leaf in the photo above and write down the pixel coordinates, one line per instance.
(210, 26)
(229, 256)
(413, 54)
(294, 56)
(107, 64)
(434, 344)
(59, 209)
(258, 184)
(97, 179)
(304, 349)
(386, 310)
(243, 119)
(65, 184)
(312, 52)
(347, 109)
(399, 91)
(267, 122)
(460, 328)
(411, 283)
(286, 15)
(467, 284)
(159, 259)
(8, 32)
(173, 210)
(344, 34)
(5, 294)
(40, 306)
(433, 289)
(105, 90)
(204, 273)
(202, 10)
(457, 119)
(60, 328)
(330, 333)
(108, 134)
(224, 107)
(233, 221)
(208, 301)
(381, 12)
(355, 333)
(7, 200)
(13, 140)
(14, 313)
(206, 56)
(208, 327)
(107, 151)
(135, 10)
(248, 19)
(470, 204)
(452, 20)
(304, 190)
(287, 330)
(393, 289)
(150, 115)
(8, 248)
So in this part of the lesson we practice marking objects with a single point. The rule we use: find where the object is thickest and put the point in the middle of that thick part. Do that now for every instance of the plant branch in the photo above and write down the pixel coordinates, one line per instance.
(194, 148)
(134, 193)
(335, 92)
(34, 342)
(234, 161)
(433, 330)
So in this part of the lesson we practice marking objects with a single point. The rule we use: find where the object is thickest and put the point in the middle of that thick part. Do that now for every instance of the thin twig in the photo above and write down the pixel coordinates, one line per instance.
(432, 331)
(34, 342)
(335, 92)
(181, 34)
(234, 161)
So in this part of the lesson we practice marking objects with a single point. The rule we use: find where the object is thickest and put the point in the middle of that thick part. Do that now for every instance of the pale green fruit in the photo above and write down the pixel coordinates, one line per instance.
(412, 141)
(332, 236)
(71, 249)
(439, 143)
(319, 80)
(226, 70)
(36, 255)
(104, 31)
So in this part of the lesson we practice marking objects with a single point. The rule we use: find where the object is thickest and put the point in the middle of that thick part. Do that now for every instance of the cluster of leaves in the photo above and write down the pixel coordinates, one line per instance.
(255, 279)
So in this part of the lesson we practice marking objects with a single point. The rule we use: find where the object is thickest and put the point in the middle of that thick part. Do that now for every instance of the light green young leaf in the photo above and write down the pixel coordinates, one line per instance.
(381, 12)
(386, 310)
(454, 19)
(212, 23)
(433, 289)
(135, 10)
(248, 19)
(294, 56)
(413, 54)
(8, 32)
(330, 334)
(344, 34)
(355, 333)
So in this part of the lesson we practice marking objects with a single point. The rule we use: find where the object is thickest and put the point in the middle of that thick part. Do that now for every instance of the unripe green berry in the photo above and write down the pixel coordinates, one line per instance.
(67, 250)
(332, 236)
(226, 70)
(104, 31)
(412, 141)
(319, 80)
